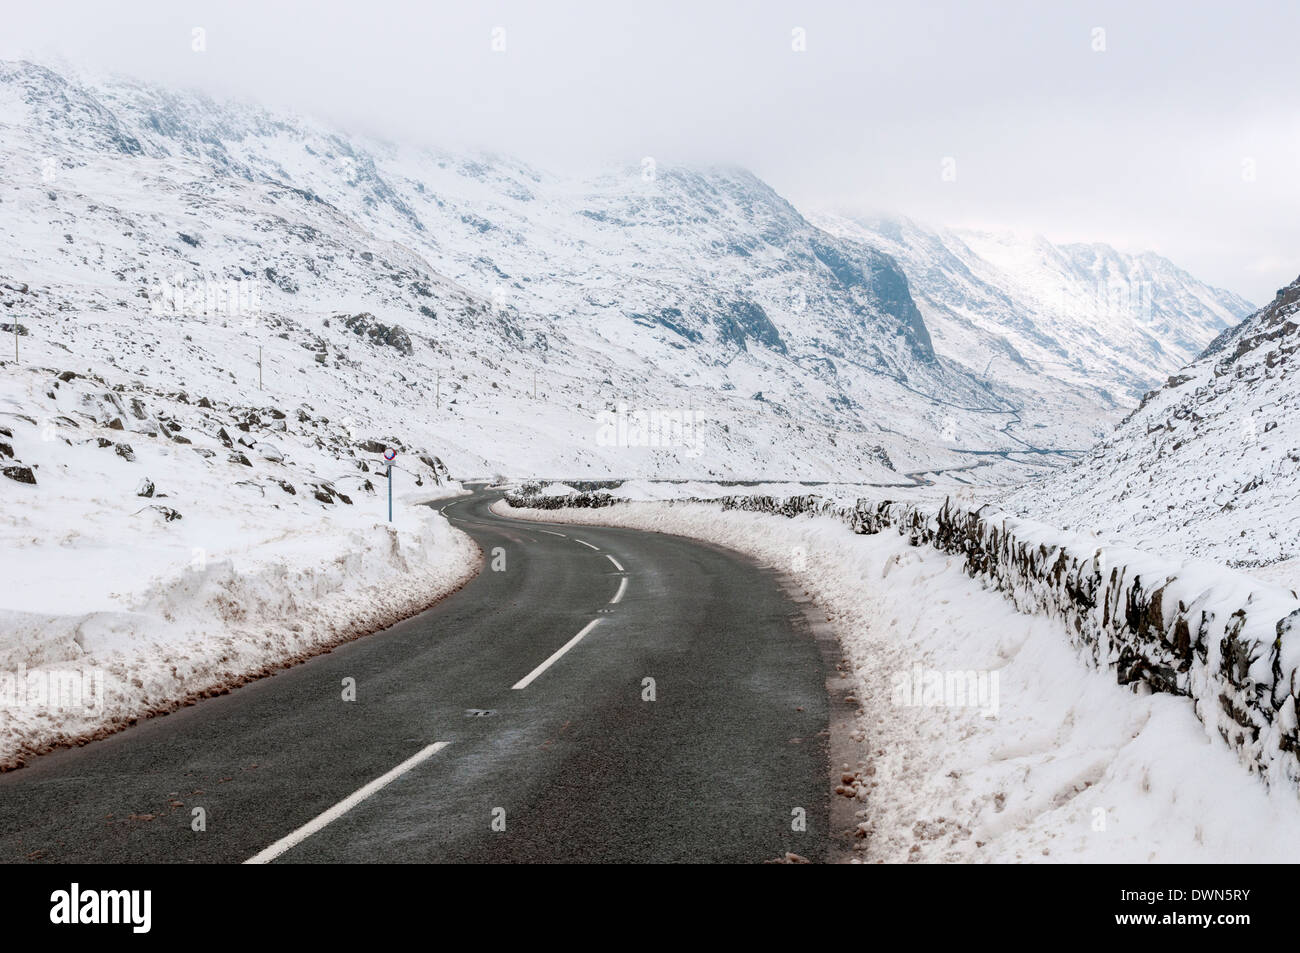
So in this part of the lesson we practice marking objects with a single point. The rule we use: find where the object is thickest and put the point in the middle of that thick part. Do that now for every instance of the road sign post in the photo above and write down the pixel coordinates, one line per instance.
(390, 455)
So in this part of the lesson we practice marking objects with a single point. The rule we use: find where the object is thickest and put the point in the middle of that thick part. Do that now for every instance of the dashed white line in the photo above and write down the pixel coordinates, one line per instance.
(345, 805)
(528, 679)
(561, 535)
(622, 588)
(614, 561)
(587, 544)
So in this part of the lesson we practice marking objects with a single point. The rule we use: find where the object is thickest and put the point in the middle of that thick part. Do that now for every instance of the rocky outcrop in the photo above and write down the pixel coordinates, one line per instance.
(368, 326)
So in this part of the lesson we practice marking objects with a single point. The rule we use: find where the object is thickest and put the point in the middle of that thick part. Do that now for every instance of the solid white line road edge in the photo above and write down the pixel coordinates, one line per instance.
(528, 679)
(614, 561)
(587, 544)
(345, 805)
(622, 588)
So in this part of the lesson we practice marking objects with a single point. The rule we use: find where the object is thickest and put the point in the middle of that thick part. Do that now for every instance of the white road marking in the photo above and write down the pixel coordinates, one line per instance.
(345, 805)
(561, 535)
(528, 679)
(614, 561)
(622, 588)
(587, 544)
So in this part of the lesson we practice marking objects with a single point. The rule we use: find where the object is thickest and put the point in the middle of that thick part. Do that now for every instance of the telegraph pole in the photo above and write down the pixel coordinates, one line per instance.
(259, 367)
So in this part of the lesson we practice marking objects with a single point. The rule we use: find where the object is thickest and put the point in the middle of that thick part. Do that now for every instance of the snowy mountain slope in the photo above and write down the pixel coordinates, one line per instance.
(1209, 464)
(691, 291)
(1083, 325)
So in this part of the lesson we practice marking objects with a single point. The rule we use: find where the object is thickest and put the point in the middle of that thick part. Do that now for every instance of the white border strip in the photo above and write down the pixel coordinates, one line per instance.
(528, 679)
(347, 804)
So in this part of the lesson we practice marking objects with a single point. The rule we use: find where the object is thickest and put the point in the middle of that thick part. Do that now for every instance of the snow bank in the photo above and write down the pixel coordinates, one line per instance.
(168, 547)
(1052, 761)
(66, 677)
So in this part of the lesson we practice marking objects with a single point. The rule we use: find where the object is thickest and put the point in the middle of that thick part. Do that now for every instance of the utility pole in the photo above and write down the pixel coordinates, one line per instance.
(15, 340)
(438, 394)
(534, 385)
(389, 456)
(259, 367)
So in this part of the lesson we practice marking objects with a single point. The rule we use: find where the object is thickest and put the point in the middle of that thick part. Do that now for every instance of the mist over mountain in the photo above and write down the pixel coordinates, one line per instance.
(852, 351)
(1089, 328)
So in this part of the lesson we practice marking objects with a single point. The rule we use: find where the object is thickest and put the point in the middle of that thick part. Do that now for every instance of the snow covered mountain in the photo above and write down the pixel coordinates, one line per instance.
(1209, 464)
(1089, 328)
(532, 309)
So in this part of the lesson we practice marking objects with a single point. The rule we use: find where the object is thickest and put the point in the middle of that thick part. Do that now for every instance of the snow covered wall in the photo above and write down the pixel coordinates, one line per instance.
(1223, 639)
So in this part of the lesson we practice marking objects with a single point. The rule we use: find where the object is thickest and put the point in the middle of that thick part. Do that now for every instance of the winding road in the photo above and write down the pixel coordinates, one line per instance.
(592, 695)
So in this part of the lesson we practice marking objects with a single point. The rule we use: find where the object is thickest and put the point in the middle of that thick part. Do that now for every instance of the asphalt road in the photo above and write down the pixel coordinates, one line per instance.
(460, 728)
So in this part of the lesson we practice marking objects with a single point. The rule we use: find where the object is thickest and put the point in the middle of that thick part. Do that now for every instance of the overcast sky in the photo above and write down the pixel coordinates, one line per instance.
(1177, 129)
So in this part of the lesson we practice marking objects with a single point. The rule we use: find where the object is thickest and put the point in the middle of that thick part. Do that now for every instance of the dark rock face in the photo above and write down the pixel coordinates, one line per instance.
(889, 285)
(283, 282)
(20, 474)
(327, 494)
(879, 277)
(368, 326)
(440, 472)
(1267, 323)
(671, 318)
(745, 321)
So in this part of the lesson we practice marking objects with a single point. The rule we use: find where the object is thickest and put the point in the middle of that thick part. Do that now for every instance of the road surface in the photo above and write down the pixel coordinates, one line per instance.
(485, 729)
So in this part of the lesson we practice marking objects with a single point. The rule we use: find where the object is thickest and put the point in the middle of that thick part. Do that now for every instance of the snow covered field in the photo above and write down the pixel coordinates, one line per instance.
(1030, 754)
